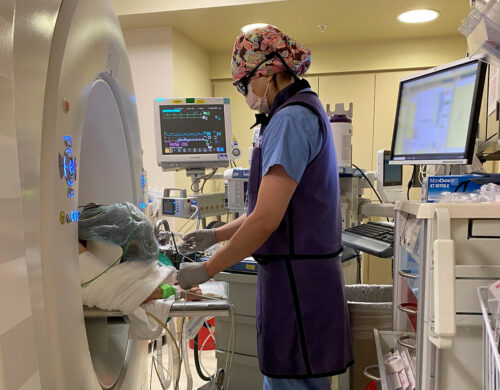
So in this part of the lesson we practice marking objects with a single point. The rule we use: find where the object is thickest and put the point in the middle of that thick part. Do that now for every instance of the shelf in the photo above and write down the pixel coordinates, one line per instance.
(456, 210)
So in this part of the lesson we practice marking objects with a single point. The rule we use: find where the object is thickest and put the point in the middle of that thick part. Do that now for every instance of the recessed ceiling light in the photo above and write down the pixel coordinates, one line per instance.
(418, 16)
(253, 26)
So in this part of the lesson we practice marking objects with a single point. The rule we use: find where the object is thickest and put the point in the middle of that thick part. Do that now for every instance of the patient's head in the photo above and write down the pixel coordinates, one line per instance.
(121, 224)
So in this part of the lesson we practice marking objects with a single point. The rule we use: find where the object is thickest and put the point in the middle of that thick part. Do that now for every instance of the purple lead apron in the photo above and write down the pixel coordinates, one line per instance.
(303, 328)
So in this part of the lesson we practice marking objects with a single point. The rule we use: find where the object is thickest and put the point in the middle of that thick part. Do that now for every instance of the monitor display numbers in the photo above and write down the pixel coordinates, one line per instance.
(196, 129)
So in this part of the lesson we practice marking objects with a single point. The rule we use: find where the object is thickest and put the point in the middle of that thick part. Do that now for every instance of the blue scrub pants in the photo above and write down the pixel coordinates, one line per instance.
(296, 384)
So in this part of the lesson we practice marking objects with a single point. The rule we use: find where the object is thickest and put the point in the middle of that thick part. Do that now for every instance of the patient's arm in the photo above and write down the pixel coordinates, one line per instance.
(190, 295)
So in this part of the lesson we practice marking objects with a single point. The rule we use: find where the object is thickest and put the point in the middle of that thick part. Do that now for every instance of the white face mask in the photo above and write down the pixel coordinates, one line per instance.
(255, 102)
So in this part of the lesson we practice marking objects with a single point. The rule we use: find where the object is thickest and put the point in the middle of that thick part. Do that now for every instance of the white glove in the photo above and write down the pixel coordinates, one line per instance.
(192, 274)
(198, 241)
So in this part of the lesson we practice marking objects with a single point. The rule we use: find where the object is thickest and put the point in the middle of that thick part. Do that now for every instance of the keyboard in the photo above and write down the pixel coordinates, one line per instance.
(375, 238)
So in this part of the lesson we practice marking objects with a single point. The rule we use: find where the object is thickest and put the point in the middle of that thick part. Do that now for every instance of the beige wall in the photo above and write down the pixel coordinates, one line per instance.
(363, 57)
(191, 78)
(151, 59)
(165, 63)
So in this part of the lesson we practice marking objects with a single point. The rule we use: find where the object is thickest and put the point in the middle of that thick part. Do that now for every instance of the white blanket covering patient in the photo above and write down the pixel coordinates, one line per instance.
(125, 287)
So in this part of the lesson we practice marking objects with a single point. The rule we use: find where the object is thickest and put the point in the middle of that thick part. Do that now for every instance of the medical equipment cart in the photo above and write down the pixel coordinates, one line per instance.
(442, 254)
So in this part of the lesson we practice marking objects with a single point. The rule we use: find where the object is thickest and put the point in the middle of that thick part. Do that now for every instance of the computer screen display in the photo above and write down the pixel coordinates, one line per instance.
(192, 129)
(437, 115)
(194, 133)
(393, 174)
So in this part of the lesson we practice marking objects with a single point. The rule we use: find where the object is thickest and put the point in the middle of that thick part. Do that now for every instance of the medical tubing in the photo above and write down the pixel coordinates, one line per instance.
(170, 369)
(176, 357)
(190, 217)
(158, 375)
(197, 361)
(210, 336)
(187, 368)
(159, 360)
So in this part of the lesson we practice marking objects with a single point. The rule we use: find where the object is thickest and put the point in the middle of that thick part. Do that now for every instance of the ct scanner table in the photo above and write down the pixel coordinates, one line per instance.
(203, 308)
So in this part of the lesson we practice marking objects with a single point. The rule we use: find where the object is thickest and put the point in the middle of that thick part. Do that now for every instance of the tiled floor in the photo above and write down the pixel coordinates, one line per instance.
(207, 359)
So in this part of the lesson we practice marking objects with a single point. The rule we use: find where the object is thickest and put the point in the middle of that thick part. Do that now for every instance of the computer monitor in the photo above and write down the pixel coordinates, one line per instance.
(193, 133)
(389, 178)
(437, 114)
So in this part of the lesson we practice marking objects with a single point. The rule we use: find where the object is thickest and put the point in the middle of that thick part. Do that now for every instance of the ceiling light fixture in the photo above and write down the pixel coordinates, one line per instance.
(253, 26)
(418, 16)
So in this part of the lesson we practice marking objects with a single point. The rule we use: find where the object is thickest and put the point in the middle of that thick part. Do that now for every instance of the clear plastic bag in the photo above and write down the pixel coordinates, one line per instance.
(486, 194)
(121, 224)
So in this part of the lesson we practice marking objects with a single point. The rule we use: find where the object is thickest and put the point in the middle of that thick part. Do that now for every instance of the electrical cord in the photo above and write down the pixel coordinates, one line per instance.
(369, 182)
(211, 336)
(358, 270)
(197, 361)
(190, 217)
(207, 178)
(410, 183)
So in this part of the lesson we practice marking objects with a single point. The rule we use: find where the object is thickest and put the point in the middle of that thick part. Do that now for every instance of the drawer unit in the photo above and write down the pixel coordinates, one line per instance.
(246, 334)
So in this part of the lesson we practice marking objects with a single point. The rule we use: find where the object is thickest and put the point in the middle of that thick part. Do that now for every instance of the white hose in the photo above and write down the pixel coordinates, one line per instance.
(159, 363)
(187, 368)
(174, 357)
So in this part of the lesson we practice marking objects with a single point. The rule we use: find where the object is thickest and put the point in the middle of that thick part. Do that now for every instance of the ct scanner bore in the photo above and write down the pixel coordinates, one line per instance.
(73, 79)
(105, 178)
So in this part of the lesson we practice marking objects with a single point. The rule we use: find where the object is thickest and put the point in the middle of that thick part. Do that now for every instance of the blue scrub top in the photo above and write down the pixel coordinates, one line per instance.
(292, 139)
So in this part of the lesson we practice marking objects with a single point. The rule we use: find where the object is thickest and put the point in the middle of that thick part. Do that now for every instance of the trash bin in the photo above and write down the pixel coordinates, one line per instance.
(370, 306)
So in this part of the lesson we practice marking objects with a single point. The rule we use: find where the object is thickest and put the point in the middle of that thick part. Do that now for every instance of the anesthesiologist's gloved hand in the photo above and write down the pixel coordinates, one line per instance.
(192, 274)
(198, 241)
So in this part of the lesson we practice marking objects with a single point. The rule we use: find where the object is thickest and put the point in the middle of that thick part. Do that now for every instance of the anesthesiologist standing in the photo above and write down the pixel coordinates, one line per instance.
(293, 224)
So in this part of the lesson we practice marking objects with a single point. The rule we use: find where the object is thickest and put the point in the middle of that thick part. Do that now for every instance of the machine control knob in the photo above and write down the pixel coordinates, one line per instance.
(236, 152)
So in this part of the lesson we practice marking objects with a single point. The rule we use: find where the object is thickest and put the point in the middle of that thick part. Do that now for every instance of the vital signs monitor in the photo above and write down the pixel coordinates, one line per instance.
(193, 133)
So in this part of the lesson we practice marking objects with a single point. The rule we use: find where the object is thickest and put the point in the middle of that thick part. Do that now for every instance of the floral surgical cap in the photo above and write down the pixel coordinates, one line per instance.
(252, 47)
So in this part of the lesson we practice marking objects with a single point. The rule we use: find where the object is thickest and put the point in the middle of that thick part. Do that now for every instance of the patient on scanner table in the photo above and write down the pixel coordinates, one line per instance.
(119, 267)
(191, 295)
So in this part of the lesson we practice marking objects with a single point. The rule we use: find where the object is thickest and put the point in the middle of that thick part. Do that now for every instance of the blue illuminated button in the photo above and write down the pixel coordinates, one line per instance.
(71, 192)
(143, 205)
(65, 166)
(74, 216)
(71, 167)
(67, 140)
